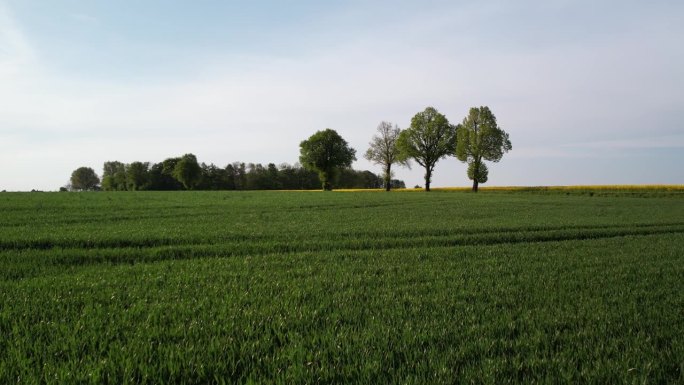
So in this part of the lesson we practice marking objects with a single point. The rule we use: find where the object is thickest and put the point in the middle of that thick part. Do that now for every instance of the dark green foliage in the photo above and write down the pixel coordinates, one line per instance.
(276, 287)
(238, 172)
(348, 178)
(215, 178)
(429, 139)
(296, 177)
(114, 176)
(396, 183)
(480, 138)
(137, 175)
(478, 173)
(161, 175)
(187, 171)
(84, 179)
(326, 152)
(262, 178)
(235, 176)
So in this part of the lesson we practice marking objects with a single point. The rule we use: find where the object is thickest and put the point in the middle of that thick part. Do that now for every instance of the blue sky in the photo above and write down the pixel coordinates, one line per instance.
(591, 92)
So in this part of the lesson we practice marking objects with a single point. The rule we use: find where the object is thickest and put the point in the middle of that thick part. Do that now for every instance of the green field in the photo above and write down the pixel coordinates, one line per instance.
(365, 287)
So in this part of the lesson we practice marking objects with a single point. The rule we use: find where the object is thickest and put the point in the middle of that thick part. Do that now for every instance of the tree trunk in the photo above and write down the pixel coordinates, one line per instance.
(428, 175)
(388, 177)
(475, 185)
(325, 180)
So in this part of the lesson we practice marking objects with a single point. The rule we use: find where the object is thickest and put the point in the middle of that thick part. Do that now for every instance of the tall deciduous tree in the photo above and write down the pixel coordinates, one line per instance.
(326, 152)
(114, 176)
(137, 175)
(161, 176)
(429, 139)
(384, 151)
(84, 179)
(480, 138)
(187, 171)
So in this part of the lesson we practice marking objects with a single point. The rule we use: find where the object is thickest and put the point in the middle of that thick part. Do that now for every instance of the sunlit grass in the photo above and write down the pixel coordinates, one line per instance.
(271, 287)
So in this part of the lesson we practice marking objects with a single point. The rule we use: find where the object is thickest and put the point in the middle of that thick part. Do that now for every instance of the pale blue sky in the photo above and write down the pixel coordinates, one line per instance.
(591, 92)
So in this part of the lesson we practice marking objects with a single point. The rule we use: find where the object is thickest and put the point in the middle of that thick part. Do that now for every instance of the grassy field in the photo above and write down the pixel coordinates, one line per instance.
(295, 287)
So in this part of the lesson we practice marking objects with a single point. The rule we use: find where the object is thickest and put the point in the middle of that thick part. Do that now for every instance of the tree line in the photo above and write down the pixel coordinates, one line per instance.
(429, 138)
(185, 173)
(325, 159)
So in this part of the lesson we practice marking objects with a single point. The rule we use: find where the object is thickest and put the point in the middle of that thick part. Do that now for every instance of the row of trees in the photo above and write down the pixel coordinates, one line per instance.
(429, 138)
(326, 156)
(185, 173)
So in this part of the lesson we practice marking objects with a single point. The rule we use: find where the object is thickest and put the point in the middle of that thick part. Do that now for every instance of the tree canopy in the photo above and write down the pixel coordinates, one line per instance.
(114, 176)
(234, 176)
(84, 179)
(325, 156)
(326, 152)
(384, 151)
(137, 175)
(480, 138)
(429, 139)
(187, 171)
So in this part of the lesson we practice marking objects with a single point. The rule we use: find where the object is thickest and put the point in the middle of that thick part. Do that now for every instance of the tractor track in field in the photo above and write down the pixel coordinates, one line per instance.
(323, 238)
(143, 253)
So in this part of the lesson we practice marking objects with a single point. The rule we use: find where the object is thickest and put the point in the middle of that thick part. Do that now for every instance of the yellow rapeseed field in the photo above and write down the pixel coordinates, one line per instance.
(617, 187)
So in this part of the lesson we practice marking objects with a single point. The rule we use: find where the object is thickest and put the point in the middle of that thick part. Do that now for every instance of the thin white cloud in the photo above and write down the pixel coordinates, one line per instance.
(85, 18)
(15, 51)
(596, 149)
(668, 141)
(259, 112)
